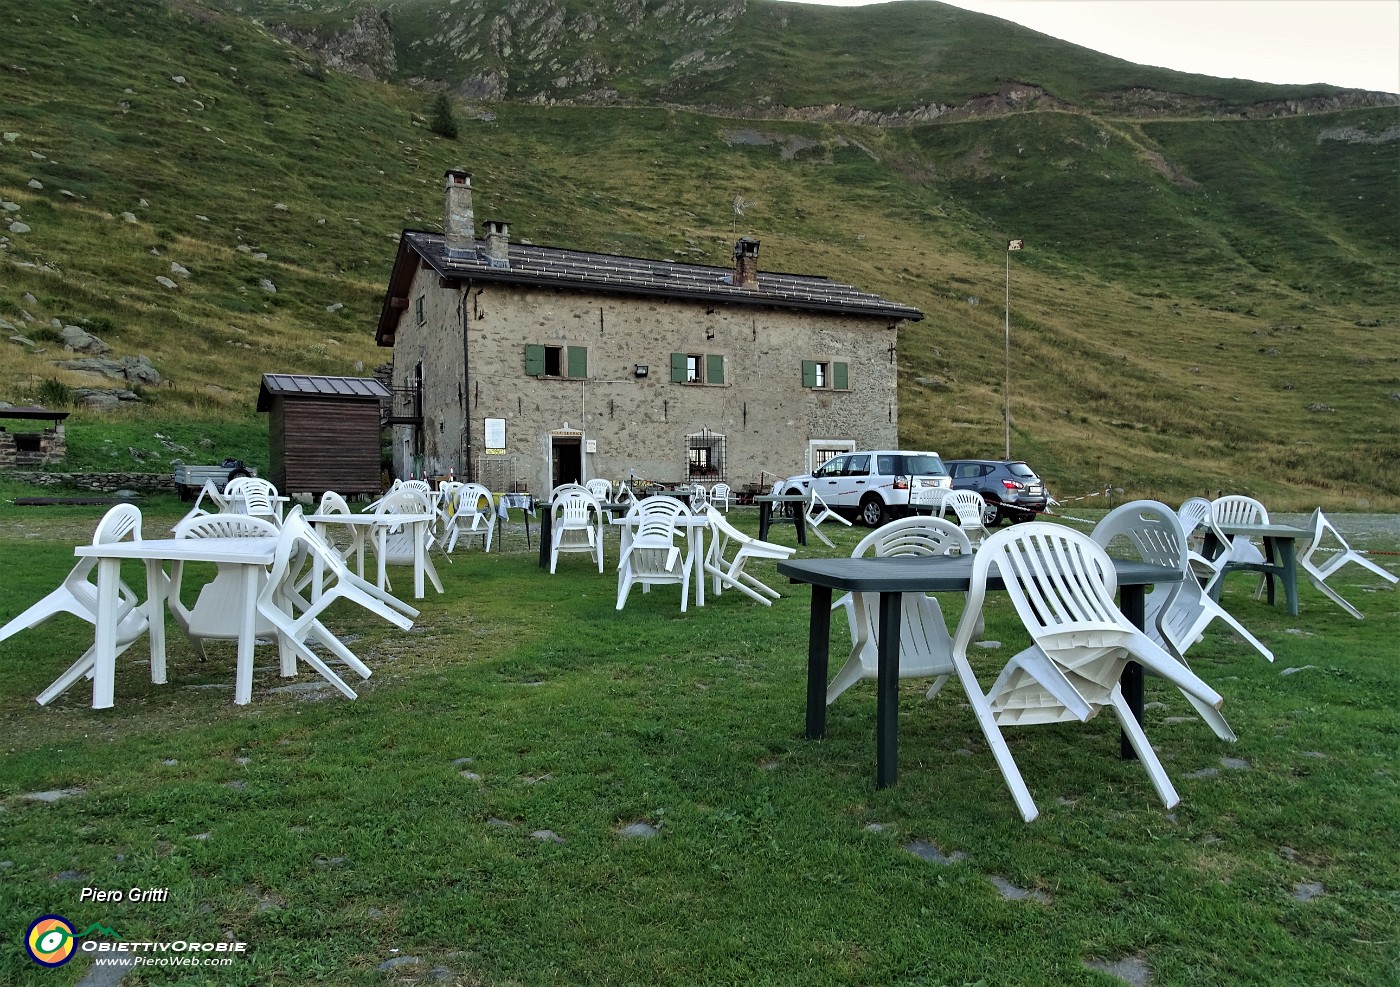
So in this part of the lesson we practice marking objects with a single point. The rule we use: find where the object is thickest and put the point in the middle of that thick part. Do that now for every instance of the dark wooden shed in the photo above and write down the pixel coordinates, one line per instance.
(323, 432)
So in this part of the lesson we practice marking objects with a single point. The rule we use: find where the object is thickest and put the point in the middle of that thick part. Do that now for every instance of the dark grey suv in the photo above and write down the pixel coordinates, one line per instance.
(1010, 487)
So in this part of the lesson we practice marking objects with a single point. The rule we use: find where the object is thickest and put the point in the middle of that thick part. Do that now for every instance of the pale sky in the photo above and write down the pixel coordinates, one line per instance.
(1350, 43)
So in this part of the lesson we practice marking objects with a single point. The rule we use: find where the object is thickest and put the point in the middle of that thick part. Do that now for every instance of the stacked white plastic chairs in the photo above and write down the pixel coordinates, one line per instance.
(970, 510)
(925, 646)
(77, 595)
(729, 553)
(1062, 585)
(1327, 553)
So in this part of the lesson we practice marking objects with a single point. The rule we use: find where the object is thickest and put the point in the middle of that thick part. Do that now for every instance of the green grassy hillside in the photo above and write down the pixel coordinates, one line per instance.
(1201, 304)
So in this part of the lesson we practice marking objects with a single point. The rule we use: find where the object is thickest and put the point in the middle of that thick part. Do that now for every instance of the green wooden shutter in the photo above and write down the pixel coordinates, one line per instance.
(809, 373)
(534, 360)
(578, 361)
(714, 369)
(838, 376)
(678, 374)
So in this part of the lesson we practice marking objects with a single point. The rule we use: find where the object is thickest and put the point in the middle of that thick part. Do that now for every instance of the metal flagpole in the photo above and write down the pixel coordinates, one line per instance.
(1010, 246)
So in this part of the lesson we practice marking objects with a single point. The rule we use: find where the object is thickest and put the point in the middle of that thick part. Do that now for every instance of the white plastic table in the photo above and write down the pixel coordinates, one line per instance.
(247, 556)
(363, 526)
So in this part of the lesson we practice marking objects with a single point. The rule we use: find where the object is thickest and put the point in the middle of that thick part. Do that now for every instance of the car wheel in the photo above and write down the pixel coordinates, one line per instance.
(992, 513)
(873, 512)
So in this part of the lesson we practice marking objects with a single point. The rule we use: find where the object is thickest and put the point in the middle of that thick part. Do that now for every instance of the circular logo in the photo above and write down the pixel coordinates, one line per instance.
(50, 940)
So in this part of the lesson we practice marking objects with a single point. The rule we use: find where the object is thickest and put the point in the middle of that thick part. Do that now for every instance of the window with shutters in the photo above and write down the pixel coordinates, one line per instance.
(826, 375)
(418, 312)
(556, 361)
(697, 368)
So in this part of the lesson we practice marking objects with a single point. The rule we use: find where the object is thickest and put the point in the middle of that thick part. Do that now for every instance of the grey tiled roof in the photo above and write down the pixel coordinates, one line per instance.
(303, 385)
(556, 267)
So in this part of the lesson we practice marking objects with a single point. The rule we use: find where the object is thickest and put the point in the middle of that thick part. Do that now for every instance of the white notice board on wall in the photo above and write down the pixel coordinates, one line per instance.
(495, 435)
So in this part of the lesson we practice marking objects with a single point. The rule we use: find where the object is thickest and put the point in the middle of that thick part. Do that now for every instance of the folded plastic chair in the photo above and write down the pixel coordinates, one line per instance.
(1062, 585)
(296, 619)
(1329, 542)
(729, 572)
(699, 498)
(77, 595)
(217, 613)
(1152, 532)
(925, 647)
(817, 512)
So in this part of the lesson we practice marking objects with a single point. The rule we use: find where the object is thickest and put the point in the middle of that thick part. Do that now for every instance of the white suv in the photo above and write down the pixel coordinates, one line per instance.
(877, 486)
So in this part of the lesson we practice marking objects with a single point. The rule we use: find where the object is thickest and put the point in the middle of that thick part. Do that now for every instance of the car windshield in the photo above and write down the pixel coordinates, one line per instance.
(920, 464)
(1021, 470)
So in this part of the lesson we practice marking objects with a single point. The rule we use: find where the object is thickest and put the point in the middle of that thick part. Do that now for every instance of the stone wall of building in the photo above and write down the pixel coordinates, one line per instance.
(770, 421)
(52, 446)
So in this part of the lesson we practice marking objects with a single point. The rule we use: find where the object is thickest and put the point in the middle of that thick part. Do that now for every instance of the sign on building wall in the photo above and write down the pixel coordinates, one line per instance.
(590, 445)
(495, 435)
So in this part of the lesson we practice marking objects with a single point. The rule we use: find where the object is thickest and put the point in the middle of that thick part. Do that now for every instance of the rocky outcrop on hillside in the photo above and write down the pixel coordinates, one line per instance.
(1140, 102)
(364, 48)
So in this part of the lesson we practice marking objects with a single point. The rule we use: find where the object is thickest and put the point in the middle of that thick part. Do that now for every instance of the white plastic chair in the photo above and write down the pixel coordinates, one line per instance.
(731, 572)
(218, 503)
(471, 514)
(1153, 533)
(817, 512)
(970, 510)
(254, 496)
(1327, 540)
(296, 619)
(217, 613)
(699, 498)
(1235, 552)
(925, 646)
(721, 494)
(394, 544)
(651, 556)
(578, 527)
(1062, 586)
(77, 595)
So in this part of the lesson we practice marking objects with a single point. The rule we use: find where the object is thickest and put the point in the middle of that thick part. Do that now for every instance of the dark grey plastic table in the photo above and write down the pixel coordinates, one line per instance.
(892, 577)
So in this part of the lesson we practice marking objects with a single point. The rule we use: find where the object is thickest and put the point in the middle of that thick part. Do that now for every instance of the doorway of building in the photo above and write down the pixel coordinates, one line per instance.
(566, 458)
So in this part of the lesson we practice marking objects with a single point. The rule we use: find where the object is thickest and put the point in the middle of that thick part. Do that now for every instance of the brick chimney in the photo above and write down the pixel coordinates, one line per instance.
(497, 243)
(746, 263)
(458, 226)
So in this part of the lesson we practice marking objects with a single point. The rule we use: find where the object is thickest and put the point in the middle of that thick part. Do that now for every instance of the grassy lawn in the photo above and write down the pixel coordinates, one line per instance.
(468, 809)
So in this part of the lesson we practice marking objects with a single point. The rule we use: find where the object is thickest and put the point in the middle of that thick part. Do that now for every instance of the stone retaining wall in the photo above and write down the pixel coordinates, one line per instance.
(103, 482)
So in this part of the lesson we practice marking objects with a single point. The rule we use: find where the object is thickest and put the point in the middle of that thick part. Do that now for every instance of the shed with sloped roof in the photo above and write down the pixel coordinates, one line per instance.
(323, 432)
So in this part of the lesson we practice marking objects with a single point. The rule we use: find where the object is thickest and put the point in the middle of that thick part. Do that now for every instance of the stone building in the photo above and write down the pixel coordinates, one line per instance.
(26, 446)
(526, 366)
